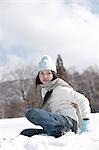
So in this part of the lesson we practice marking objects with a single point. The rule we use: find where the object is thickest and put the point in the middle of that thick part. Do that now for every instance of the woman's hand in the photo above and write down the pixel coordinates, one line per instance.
(85, 125)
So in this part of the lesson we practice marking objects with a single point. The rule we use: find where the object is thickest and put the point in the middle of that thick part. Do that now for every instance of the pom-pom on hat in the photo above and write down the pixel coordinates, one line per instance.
(46, 63)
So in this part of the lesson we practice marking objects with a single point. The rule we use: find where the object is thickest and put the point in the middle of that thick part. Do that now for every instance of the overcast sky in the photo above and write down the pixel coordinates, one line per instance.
(32, 28)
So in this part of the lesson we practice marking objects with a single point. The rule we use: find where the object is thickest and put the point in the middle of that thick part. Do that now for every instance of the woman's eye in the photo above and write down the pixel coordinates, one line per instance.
(41, 73)
(49, 73)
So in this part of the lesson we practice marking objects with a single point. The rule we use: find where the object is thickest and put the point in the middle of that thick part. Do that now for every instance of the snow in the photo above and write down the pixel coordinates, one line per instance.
(11, 140)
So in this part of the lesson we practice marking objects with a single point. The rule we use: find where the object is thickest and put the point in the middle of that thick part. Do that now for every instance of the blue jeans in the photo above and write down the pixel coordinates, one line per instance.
(52, 123)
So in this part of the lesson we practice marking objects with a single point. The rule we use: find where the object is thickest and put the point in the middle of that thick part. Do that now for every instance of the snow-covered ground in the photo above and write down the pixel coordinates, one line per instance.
(11, 140)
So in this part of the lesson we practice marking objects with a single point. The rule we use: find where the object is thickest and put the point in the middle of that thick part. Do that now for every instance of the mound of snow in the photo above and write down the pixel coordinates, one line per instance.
(11, 140)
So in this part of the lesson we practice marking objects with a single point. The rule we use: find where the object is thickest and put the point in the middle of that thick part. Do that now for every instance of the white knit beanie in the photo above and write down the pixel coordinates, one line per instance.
(46, 63)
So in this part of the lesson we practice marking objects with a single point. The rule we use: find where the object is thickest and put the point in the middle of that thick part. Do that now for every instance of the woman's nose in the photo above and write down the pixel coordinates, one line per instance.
(45, 75)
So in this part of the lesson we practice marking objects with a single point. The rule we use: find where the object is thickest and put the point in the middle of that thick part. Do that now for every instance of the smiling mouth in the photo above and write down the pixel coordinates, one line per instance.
(46, 80)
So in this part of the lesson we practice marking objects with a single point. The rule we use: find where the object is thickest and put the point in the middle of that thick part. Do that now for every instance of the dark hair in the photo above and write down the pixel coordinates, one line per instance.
(37, 81)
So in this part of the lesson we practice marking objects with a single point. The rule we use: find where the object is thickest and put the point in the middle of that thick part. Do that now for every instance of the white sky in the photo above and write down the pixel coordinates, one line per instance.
(10, 129)
(31, 28)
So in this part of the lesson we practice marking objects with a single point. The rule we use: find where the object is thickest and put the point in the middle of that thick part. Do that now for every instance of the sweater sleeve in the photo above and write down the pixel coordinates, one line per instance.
(81, 101)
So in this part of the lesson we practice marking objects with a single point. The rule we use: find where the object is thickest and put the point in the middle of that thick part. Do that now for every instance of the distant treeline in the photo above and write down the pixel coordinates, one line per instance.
(19, 92)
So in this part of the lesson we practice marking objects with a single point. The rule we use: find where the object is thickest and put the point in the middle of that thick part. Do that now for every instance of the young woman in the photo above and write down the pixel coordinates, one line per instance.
(63, 109)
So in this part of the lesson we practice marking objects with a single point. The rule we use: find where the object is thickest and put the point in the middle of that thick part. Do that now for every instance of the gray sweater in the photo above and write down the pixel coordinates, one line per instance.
(66, 101)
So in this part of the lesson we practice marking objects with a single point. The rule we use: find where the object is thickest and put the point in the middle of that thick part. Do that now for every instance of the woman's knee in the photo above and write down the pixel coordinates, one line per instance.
(34, 115)
(28, 113)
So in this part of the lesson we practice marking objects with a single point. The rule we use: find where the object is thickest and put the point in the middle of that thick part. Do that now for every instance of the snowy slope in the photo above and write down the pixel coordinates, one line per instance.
(11, 140)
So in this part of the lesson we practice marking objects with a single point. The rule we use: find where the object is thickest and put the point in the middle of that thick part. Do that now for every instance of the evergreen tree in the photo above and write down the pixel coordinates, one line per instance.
(60, 67)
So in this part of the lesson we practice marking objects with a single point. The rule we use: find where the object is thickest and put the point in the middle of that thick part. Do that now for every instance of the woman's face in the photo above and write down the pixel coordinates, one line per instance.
(45, 76)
